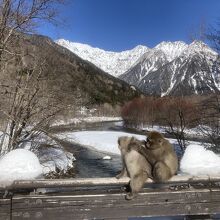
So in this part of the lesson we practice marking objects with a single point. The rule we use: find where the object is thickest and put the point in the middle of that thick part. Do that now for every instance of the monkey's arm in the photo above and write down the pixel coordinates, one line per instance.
(146, 153)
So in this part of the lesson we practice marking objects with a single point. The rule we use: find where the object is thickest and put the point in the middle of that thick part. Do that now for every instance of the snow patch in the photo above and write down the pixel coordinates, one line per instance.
(199, 161)
(106, 158)
(19, 164)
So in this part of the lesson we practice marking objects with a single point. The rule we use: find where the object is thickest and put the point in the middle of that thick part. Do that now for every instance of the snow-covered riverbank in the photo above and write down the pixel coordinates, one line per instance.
(104, 141)
(51, 158)
(86, 120)
(196, 161)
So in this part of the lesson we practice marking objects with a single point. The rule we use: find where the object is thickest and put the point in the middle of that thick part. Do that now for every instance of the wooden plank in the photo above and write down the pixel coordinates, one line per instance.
(5, 208)
(48, 183)
(114, 206)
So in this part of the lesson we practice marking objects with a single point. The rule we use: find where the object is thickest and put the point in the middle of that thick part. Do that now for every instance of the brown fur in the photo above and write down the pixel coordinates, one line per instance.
(160, 154)
(135, 165)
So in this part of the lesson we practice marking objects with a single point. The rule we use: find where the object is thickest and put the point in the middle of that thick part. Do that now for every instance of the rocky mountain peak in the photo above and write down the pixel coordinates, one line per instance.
(199, 47)
(172, 49)
(187, 69)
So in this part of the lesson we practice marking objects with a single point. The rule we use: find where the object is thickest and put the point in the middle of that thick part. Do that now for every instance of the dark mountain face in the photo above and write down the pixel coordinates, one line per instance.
(195, 71)
(68, 74)
(191, 76)
(149, 62)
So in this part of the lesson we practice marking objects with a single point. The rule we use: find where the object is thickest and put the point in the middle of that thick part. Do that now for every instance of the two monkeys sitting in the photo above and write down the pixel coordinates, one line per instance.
(154, 158)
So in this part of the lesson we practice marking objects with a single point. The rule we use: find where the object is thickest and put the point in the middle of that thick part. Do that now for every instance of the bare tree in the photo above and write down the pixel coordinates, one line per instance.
(210, 120)
(174, 117)
(210, 107)
(26, 106)
(177, 117)
(23, 16)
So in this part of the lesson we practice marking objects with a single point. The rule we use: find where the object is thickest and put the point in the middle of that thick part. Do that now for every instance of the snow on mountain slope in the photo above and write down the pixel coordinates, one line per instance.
(149, 62)
(199, 47)
(114, 63)
(172, 49)
(187, 69)
(170, 68)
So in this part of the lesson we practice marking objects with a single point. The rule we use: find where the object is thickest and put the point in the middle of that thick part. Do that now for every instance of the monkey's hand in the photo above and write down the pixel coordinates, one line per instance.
(138, 148)
(147, 153)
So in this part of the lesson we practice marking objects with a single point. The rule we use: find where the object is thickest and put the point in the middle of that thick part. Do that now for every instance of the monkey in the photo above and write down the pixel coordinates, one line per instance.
(160, 154)
(135, 165)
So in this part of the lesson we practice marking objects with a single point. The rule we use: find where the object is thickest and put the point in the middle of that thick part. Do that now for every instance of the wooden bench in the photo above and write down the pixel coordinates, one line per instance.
(103, 198)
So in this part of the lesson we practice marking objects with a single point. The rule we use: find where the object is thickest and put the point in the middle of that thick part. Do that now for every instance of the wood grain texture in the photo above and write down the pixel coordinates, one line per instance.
(5, 209)
(104, 198)
(161, 202)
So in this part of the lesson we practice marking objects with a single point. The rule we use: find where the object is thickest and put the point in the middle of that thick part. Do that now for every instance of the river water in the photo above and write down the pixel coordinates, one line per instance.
(89, 162)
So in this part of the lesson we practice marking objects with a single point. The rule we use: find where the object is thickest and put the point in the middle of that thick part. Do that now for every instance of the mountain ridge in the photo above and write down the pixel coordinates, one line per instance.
(188, 73)
(114, 63)
(165, 68)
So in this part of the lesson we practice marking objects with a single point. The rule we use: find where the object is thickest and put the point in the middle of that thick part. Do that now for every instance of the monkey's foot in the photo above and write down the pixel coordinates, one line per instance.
(122, 174)
(119, 176)
(130, 196)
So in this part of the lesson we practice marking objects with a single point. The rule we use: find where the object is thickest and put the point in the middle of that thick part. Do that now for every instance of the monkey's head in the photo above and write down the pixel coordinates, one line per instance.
(154, 139)
(123, 143)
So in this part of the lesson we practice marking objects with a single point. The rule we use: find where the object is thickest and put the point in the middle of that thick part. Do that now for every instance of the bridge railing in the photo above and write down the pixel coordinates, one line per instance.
(104, 198)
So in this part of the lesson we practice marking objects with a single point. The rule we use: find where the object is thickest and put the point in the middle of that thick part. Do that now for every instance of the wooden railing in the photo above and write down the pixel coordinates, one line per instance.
(104, 198)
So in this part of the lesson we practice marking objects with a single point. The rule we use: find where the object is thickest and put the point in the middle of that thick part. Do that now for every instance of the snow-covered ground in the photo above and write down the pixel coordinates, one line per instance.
(199, 161)
(52, 158)
(23, 164)
(105, 141)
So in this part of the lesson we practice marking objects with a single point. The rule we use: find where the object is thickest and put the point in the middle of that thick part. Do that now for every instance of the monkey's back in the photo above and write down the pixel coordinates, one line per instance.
(136, 164)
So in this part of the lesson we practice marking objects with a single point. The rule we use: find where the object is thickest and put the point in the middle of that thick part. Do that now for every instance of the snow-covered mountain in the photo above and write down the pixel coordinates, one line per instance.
(114, 63)
(176, 69)
(170, 68)
(171, 49)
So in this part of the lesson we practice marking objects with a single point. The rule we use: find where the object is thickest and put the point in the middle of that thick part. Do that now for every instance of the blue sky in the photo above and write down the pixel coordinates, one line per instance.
(118, 25)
